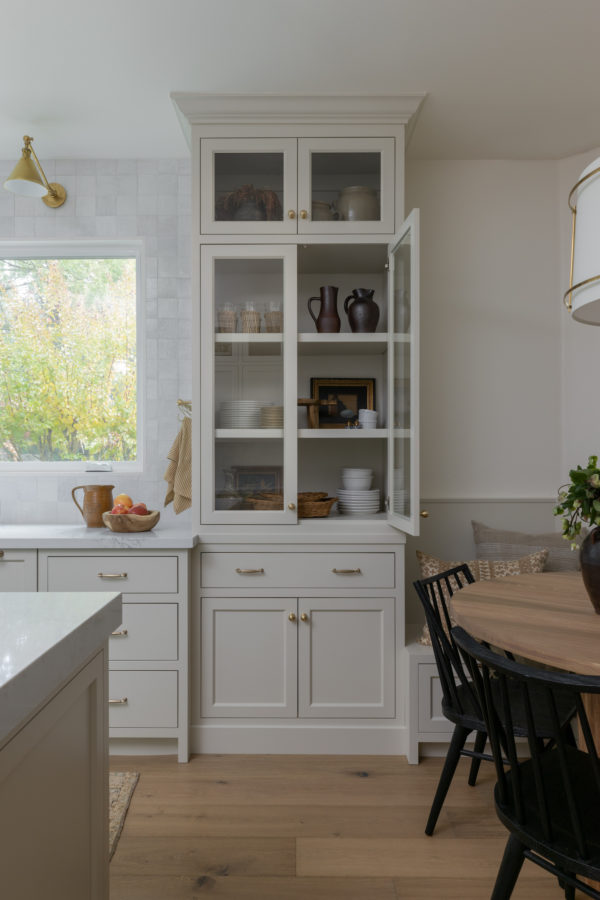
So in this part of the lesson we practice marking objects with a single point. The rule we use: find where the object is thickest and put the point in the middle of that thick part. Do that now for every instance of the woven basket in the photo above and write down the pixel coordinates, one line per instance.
(315, 509)
(266, 500)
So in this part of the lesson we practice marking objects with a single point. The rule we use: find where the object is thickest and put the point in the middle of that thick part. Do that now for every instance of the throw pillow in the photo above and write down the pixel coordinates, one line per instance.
(482, 570)
(495, 543)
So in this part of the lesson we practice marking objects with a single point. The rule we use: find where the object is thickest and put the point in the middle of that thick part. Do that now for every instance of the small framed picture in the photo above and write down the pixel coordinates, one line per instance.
(254, 479)
(341, 398)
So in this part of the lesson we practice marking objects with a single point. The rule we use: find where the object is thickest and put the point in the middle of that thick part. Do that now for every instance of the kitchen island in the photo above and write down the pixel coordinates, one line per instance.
(54, 743)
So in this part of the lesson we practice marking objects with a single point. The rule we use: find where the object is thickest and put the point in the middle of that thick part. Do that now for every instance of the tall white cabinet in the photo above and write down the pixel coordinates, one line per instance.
(299, 622)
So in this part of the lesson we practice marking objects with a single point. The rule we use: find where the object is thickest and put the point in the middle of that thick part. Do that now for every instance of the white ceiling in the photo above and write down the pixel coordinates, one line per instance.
(504, 78)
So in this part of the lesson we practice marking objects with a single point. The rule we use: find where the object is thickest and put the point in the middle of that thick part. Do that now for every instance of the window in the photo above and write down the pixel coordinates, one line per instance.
(68, 356)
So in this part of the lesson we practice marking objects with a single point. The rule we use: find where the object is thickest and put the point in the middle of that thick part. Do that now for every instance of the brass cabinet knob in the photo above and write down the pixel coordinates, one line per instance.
(291, 214)
(424, 514)
(303, 214)
(292, 617)
(291, 506)
(304, 617)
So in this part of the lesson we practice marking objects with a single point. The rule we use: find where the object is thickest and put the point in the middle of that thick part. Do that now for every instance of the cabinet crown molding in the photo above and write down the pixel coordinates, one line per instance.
(254, 109)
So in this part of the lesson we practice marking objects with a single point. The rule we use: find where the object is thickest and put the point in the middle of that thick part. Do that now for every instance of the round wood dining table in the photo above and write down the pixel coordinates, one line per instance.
(548, 618)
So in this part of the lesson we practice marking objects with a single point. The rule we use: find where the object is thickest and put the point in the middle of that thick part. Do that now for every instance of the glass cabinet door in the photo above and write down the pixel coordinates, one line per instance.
(403, 362)
(346, 185)
(248, 407)
(248, 186)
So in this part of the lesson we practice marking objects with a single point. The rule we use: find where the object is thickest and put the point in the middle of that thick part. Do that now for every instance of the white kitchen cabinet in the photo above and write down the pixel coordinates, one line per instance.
(149, 652)
(304, 185)
(18, 570)
(427, 723)
(260, 353)
(311, 657)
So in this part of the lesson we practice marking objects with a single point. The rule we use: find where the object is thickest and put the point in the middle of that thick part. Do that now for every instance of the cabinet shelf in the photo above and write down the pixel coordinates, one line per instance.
(340, 344)
(344, 434)
(248, 433)
(248, 337)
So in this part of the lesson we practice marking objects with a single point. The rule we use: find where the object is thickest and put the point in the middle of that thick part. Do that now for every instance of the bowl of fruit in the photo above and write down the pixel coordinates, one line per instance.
(129, 517)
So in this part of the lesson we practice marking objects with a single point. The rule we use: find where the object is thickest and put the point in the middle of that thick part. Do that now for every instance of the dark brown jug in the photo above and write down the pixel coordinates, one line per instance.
(97, 498)
(363, 314)
(328, 320)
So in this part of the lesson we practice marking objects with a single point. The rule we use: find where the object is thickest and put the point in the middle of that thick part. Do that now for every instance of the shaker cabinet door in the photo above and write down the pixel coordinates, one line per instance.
(346, 657)
(249, 657)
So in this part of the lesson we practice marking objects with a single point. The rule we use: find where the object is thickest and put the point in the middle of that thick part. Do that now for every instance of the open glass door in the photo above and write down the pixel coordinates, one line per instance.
(403, 374)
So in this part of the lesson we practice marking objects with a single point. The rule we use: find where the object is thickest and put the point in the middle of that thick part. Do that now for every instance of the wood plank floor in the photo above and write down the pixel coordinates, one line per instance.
(300, 827)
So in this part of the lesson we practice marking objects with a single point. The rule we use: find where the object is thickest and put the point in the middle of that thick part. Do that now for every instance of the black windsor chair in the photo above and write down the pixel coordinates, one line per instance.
(550, 803)
(460, 703)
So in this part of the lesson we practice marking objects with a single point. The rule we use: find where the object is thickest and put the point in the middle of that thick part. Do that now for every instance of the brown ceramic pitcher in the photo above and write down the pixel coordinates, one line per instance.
(328, 320)
(97, 498)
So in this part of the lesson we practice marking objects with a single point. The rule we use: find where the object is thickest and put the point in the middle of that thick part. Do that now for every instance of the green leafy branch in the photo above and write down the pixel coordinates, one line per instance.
(579, 500)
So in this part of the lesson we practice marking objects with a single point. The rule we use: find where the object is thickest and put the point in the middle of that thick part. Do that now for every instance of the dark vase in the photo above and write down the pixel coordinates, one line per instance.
(328, 321)
(363, 312)
(589, 558)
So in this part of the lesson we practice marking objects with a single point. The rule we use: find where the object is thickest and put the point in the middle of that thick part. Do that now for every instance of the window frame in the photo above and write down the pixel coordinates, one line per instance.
(91, 249)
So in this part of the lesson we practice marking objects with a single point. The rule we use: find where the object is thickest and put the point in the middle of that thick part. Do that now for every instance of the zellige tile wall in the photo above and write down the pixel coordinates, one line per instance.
(145, 199)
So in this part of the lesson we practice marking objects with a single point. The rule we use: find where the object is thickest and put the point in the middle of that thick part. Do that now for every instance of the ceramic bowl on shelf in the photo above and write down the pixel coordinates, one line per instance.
(125, 523)
(357, 483)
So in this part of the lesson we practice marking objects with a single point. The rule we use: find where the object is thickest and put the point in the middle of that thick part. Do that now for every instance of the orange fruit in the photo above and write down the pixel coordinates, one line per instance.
(123, 500)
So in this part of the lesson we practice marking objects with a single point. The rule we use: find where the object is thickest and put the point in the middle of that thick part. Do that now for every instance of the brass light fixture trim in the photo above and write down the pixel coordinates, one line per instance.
(28, 171)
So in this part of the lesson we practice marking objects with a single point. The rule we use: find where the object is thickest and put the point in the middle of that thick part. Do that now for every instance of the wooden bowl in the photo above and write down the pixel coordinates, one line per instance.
(125, 523)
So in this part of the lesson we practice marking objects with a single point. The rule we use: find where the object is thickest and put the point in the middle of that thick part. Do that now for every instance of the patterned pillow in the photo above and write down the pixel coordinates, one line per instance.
(496, 543)
(482, 569)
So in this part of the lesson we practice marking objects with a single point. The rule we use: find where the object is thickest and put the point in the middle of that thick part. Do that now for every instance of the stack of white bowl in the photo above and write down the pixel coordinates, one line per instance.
(271, 417)
(356, 498)
(367, 418)
(240, 413)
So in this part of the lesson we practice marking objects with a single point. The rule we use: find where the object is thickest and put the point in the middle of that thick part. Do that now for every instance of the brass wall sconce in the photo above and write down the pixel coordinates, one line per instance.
(583, 297)
(28, 179)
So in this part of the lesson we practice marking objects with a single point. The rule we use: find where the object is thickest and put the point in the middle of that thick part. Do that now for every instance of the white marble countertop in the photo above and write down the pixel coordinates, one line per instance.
(78, 537)
(44, 639)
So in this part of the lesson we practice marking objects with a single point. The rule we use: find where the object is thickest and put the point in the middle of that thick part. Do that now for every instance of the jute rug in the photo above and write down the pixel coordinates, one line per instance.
(121, 788)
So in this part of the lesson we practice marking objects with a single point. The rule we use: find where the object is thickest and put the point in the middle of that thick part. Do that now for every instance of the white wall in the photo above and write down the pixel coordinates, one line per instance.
(147, 199)
(491, 325)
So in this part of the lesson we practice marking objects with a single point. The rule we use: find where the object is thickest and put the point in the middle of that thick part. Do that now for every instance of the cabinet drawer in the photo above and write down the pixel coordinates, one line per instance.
(130, 574)
(146, 699)
(148, 631)
(301, 570)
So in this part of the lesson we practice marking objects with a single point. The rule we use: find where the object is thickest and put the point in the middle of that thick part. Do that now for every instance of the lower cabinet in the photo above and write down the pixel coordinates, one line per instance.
(309, 657)
(18, 570)
(427, 723)
(148, 653)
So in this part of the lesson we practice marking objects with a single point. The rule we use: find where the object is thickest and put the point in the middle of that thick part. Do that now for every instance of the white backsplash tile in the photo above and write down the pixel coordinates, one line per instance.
(111, 198)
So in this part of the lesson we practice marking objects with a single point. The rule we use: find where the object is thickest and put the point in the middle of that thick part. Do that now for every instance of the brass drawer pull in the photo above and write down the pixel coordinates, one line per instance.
(119, 702)
(250, 571)
(122, 633)
(304, 617)
(346, 571)
(112, 574)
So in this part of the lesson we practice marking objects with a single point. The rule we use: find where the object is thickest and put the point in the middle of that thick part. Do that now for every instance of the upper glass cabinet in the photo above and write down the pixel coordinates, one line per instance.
(305, 186)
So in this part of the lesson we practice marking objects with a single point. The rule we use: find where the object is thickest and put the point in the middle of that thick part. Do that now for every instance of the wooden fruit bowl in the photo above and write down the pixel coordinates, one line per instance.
(125, 523)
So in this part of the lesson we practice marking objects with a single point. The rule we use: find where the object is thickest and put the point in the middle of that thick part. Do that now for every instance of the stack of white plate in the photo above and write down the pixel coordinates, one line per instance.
(401, 502)
(357, 479)
(240, 413)
(367, 418)
(271, 417)
(358, 503)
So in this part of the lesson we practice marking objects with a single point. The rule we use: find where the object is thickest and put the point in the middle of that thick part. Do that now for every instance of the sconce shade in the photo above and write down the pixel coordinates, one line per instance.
(585, 296)
(25, 179)
(28, 179)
